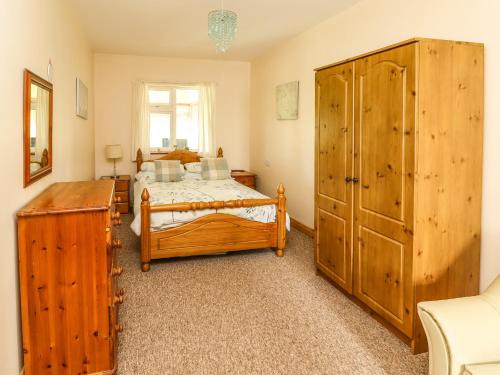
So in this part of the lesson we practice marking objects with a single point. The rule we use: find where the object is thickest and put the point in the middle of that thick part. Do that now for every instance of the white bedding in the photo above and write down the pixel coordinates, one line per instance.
(193, 189)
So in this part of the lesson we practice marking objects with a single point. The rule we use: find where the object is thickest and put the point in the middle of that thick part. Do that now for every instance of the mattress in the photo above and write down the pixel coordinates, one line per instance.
(198, 190)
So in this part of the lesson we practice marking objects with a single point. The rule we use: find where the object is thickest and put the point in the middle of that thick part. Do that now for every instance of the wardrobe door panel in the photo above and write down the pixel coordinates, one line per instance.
(332, 244)
(384, 119)
(334, 145)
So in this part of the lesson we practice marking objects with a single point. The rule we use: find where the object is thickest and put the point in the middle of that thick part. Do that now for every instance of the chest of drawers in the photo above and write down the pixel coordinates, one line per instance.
(67, 270)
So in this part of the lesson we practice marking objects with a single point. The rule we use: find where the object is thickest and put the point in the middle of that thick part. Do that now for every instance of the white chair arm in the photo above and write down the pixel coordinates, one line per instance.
(467, 330)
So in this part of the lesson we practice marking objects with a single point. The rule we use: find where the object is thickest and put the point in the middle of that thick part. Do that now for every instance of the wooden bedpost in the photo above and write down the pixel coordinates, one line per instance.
(139, 160)
(281, 220)
(220, 153)
(45, 158)
(145, 225)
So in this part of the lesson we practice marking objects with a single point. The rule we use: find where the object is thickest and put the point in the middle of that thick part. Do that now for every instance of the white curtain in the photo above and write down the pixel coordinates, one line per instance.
(42, 123)
(140, 120)
(206, 119)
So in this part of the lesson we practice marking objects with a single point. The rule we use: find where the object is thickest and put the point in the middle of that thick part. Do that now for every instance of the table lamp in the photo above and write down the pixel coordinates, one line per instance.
(114, 152)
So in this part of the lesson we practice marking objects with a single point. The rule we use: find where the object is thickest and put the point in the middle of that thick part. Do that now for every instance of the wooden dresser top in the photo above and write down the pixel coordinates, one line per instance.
(64, 197)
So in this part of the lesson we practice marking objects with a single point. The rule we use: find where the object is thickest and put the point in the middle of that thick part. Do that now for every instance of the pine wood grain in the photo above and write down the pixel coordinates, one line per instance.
(65, 281)
(334, 168)
(418, 115)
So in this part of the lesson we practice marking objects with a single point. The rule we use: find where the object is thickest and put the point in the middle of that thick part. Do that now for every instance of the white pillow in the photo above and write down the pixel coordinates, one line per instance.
(148, 166)
(145, 176)
(193, 167)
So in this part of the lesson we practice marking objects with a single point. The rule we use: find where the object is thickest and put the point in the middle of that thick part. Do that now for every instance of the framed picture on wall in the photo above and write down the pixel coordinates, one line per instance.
(287, 101)
(82, 99)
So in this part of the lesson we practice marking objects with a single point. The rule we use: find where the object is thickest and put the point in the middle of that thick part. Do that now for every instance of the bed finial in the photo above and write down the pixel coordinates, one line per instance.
(281, 189)
(139, 160)
(145, 195)
(220, 153)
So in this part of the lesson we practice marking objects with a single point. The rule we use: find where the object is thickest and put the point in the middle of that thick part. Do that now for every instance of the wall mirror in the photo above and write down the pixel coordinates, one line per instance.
(37, 127)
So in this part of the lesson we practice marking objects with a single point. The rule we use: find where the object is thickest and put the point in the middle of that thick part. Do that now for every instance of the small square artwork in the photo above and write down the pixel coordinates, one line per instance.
(287, 101)
(82, 98)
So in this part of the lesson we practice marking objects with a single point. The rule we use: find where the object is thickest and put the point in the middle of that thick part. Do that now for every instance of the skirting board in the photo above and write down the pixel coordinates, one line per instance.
(302, 227)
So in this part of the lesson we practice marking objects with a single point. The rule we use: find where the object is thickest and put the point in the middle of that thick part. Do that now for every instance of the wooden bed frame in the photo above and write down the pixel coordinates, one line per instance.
(214, 233)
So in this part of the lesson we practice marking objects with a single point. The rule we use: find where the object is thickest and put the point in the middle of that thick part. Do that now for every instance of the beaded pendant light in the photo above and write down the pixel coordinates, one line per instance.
(222, 27)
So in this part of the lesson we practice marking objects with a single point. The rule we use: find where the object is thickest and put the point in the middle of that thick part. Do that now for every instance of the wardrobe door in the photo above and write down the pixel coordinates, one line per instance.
(334, 144)
(384, 118)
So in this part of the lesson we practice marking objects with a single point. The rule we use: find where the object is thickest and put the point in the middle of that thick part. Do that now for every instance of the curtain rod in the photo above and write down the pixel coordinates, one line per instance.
(179, 84)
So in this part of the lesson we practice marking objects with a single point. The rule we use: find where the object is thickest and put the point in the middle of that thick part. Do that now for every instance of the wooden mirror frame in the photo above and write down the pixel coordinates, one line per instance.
(46, 162)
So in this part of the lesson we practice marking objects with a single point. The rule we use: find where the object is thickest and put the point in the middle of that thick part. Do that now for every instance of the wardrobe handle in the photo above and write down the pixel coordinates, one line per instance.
(348, 179)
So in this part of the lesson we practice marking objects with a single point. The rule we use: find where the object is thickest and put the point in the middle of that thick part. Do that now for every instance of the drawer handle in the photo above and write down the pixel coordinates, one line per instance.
(117, 222)
(115, 215)
(117, 244)
(119, 327)
(117, 199)
(117, 271)
(117, 299)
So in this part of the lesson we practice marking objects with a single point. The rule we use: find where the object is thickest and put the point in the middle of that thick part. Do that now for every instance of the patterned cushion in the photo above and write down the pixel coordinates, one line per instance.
(215, 169)
(168, 170)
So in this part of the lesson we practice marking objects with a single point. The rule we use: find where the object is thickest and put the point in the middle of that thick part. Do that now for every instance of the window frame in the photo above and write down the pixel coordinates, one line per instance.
(170, 109)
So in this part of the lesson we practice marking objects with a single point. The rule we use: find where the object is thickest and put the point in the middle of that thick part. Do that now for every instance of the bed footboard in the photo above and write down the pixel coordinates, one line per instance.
(211, 233)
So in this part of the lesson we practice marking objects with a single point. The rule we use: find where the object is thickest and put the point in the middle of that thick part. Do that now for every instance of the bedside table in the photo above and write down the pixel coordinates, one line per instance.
(244, 177)
(122, 191)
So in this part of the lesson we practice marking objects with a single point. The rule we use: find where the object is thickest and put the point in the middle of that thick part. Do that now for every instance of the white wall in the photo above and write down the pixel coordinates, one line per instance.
(31, 33)
(368, 25)
(113, 77)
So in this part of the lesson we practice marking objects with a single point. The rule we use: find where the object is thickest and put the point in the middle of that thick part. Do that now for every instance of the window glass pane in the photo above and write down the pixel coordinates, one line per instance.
(34, 91)
(159, 97)
(187, 96)
(187, 126)
(159, 130)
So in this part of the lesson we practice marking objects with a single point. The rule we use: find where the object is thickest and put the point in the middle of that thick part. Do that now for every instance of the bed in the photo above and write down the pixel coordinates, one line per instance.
(199, 217)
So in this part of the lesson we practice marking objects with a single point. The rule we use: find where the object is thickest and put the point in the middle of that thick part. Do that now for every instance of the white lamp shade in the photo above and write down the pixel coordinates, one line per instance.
(114, 151)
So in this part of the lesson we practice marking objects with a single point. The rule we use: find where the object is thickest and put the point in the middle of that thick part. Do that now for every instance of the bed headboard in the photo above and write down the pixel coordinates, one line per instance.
(185, 156)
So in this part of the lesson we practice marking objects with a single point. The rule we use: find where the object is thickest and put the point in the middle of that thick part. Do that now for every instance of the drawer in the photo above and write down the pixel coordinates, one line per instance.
(123, 195)
(247, 181)
(122, 207)
(121, 185)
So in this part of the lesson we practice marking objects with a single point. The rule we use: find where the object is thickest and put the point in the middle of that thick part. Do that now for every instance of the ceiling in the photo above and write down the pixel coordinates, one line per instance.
(178, 28)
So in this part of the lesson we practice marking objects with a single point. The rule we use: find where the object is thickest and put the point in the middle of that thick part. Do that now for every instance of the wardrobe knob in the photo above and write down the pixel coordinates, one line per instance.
(120, 292)
(355, 180)
(117, 299)
(117, 271)
(119, 327)
(348, 179)
(117, 244)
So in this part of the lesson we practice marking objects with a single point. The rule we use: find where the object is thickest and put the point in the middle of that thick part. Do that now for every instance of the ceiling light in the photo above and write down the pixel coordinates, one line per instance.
(222, 27)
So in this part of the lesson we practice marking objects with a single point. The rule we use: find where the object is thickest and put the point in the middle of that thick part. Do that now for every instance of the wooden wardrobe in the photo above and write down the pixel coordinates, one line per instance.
(67, 271)
(399, 135)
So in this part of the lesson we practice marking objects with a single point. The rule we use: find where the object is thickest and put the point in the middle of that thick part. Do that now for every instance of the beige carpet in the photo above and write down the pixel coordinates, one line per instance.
(248, 313)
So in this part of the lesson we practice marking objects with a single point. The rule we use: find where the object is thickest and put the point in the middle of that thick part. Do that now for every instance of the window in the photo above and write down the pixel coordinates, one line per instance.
(173, 118)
